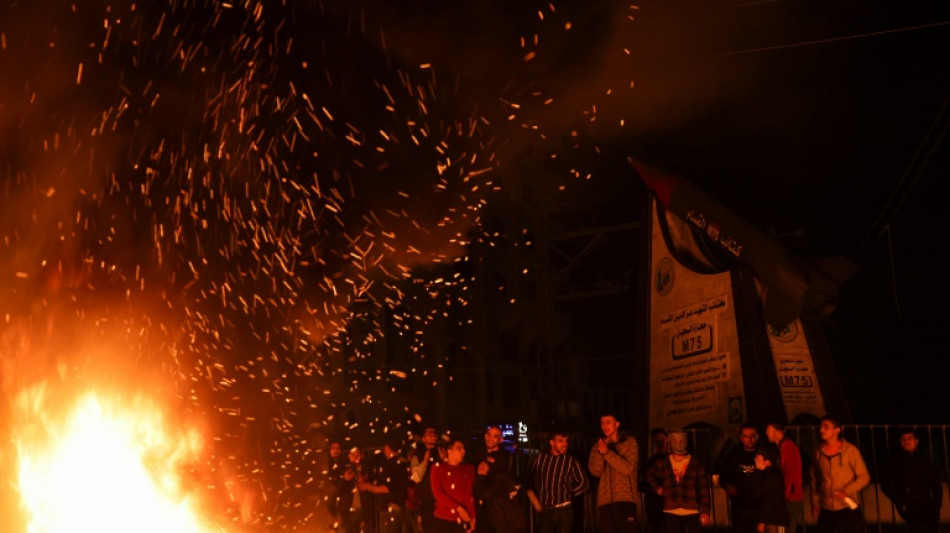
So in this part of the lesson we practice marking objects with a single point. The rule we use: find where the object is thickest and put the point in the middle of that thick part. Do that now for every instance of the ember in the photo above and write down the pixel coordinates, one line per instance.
(237, 195)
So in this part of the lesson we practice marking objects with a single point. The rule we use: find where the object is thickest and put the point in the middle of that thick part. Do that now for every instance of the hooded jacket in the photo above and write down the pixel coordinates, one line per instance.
(791, 464)
(770, 490)
(844, 471)
(617, 470)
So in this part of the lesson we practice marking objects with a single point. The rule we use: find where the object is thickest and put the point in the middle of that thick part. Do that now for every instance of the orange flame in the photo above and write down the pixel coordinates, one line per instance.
(106, 466)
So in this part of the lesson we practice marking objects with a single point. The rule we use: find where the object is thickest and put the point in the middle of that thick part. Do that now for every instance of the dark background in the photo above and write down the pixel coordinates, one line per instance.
(172, 201)
(822, 123)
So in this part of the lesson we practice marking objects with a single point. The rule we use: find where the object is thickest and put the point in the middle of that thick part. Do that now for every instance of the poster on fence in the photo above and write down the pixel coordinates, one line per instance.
(695, 375)
(797, 379)
(698, 351)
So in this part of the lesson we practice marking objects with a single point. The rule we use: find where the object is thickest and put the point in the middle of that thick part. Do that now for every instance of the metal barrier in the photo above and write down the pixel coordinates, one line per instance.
(709, 445)
(876, 443)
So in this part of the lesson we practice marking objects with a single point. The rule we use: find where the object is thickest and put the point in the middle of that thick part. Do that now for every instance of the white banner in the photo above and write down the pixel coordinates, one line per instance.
(695, 373)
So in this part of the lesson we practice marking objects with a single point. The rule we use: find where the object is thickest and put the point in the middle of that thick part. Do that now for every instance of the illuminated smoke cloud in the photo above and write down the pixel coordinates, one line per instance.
(218, 197)
(203, 190)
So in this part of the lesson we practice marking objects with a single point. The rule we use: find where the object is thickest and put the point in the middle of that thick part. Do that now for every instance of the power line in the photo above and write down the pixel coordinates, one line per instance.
(828, 40)
(888, 213)
(747, 4)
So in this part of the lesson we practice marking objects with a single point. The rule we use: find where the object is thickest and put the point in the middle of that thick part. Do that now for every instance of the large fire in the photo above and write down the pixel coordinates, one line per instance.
(105, 466)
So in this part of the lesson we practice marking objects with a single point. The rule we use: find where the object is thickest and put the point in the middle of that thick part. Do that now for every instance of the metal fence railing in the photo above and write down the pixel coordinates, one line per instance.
(709, 445)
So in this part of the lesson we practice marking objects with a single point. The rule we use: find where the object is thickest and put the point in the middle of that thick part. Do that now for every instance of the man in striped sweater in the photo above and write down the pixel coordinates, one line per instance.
(557, 478)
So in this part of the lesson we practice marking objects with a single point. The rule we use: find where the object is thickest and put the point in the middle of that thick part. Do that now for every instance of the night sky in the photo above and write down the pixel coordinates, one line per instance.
(825, 125)
(821, 123)
(209, 189)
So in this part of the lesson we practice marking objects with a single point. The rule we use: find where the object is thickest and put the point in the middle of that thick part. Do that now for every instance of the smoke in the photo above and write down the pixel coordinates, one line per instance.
(611, 70)
(202, 196)
(214, 192)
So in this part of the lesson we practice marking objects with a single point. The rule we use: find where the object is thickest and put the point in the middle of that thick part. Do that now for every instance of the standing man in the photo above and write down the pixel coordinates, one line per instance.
(770, 489)
(614, 460)
(421, 464)
(557, 478)
(355, 505)
(681, 480)
(911, 482)
(652, 501)
(838, 476)
(790, 463)
(739, 477)
(389, 483)
(495, 488)
(333, 478)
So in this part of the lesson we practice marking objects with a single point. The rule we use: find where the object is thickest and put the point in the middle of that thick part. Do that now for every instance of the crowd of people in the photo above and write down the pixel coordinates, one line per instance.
(764, 483)
(435, 486)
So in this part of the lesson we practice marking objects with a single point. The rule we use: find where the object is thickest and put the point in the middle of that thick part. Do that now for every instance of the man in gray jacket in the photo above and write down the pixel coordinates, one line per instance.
(838, 477)
(614, 460)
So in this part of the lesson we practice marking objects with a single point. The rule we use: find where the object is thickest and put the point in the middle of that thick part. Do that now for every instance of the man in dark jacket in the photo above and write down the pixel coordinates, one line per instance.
(910, 481)
(738, 477)
(496, 488)
(388, 483)
(653, 502)
(769, 488)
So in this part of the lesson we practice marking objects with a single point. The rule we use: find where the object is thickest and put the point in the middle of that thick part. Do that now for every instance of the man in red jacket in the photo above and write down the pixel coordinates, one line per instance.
(790, 462)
